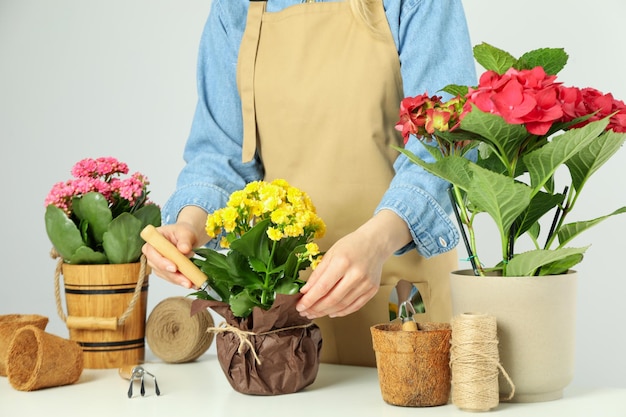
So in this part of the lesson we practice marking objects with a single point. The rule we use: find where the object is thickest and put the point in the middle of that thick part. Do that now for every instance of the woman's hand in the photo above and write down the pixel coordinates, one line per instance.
(350, 272)
(186, 234)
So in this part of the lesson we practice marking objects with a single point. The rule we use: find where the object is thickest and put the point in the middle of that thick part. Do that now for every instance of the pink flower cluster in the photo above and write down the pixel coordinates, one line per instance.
(99, 175)
(534, 99)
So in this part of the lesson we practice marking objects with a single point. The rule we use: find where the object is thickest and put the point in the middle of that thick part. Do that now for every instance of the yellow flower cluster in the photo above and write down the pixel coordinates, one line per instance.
(312, 250)
(289, 209)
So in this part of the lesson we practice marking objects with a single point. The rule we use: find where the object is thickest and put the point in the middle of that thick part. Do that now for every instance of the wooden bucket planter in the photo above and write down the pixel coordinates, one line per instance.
(106, 312)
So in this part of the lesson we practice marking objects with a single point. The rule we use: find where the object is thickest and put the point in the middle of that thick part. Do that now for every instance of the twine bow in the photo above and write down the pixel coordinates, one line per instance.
(244, 335)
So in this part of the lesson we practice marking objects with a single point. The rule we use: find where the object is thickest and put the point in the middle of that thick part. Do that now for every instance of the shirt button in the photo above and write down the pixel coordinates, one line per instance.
(443, 242)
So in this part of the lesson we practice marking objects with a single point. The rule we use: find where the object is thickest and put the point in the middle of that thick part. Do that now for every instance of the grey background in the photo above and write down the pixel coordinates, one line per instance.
(84, 78)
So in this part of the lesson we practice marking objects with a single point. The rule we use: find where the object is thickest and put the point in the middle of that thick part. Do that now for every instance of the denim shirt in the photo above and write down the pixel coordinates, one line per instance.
(434, 50)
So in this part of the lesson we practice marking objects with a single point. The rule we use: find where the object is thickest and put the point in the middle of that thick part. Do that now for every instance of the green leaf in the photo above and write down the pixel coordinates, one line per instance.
(553, 60)
(454, 169)
(543, 162)
(492, 129)
(215, 266)
(456, 90)
(498, 195)
(586, 162)
(571, 230)
(62, 232)
(242, 304)
(525, 264)
(492, 58)
(122, 242)
(540, 204)
(148, 214)
(94, 209)
(288, 287)
(534, 231)
(227, 271)
(292, 264)
(561, 266)
(285, 248)
(85, 256)
(258, 265)
(254, 243)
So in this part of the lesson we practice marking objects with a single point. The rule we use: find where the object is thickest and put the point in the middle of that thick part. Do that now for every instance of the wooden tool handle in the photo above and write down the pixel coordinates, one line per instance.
(91, 323)
(409, 326)
(126, 371)
(167, 249)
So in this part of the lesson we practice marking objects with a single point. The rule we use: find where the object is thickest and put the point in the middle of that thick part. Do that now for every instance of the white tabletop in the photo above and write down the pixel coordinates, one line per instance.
(200, 388)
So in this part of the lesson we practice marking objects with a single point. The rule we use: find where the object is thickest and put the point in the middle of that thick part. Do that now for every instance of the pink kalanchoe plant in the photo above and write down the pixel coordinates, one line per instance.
(96, 216)
(500, 144)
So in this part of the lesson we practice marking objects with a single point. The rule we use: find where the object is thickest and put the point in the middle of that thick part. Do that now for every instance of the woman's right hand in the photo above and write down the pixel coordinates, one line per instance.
(183, 236)
(186, 234)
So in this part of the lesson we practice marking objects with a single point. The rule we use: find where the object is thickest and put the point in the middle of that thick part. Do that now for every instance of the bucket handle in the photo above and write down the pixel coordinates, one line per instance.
(95, 323)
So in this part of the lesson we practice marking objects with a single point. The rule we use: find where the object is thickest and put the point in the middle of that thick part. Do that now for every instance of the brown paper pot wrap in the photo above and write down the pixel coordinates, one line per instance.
(286, 344)
(413, 366)
(9, 324)
(37, 359)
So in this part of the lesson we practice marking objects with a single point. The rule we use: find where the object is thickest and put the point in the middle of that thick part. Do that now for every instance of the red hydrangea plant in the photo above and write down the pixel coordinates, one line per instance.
(500, 144)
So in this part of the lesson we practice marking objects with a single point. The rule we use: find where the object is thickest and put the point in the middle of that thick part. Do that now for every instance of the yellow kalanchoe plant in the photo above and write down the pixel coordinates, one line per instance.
(267, 229)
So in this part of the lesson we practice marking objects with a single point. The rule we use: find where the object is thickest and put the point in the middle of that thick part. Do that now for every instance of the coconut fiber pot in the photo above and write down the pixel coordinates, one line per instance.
(413, 366)
(9, 324)
(37, 360)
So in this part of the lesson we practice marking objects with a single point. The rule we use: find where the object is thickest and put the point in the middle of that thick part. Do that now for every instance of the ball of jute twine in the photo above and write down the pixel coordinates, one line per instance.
(244, 335)
(174, 335)
(475, 363)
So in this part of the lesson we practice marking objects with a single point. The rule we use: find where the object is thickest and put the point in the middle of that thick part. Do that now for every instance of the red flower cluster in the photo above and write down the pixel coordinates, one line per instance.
(522, 97)
(422, 115)
(579, 102)
(534, 99)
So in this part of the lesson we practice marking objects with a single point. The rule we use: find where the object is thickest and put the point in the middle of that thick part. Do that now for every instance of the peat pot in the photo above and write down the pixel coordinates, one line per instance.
(413, 366)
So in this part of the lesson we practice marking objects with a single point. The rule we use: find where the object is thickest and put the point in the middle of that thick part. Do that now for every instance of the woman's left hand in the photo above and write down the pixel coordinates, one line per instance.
(350, 272)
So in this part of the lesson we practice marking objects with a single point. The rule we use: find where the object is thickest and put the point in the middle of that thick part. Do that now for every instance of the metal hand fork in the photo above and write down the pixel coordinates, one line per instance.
(138, 373)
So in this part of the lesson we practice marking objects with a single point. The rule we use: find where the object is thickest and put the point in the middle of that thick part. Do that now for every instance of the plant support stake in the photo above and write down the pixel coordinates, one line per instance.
(470, 253)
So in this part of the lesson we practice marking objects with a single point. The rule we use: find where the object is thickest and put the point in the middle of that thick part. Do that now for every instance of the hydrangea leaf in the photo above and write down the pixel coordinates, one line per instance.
(553, 60)
(586, 162)
(543, 163)
(525, 264)
(570, 231)
(492, 58)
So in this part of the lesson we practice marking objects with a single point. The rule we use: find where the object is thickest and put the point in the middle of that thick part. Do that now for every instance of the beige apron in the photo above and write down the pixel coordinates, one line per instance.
(320, 96)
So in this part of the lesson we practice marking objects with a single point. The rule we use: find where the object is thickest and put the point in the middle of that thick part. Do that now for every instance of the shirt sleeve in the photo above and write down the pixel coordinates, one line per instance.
(212, 154)
(435, 50)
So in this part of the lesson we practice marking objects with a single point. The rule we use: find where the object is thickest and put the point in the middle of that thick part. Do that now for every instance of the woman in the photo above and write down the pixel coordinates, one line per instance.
(309, 91)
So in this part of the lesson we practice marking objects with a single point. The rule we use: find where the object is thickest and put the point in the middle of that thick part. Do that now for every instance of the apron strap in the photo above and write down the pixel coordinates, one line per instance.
(247, 62)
